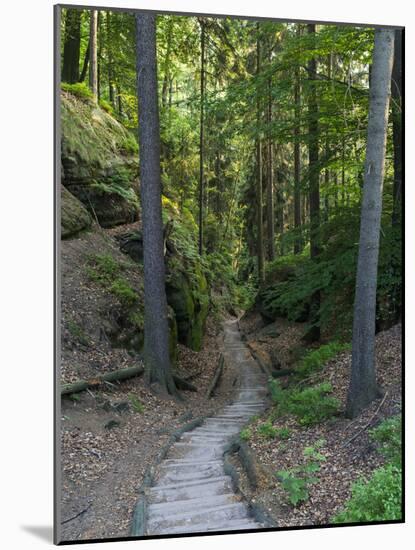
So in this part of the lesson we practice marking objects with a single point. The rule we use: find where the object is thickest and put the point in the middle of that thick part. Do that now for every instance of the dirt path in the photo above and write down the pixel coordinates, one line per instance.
(192, 493)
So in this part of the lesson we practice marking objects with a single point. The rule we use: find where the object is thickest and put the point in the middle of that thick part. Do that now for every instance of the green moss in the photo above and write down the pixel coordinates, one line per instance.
(79, 89)
(122, 290)
(77, 332)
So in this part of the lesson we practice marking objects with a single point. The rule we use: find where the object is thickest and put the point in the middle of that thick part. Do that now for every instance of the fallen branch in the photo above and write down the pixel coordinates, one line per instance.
(271, 373)
(77, 515)
(216, 377)
(108, 377)
(366, 426)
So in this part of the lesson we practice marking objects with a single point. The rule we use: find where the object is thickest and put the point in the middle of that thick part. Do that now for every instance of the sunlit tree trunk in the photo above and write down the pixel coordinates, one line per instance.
(201, 134)
(71, 46)
(297, 158)
(259, 200)
(363, 386)
(93, 54)
(314, 184)
(270, 177)
(156, 329)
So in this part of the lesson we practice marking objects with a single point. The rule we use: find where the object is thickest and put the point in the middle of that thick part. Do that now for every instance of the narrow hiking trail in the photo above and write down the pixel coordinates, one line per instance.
(192, 492)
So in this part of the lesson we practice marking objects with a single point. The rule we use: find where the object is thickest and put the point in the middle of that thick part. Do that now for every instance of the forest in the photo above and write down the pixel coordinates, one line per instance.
(231, 259)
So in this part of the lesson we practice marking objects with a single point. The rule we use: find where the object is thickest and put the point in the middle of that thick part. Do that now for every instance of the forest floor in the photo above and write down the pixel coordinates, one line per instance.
(103, 468)
(110, 435)
(349, 451)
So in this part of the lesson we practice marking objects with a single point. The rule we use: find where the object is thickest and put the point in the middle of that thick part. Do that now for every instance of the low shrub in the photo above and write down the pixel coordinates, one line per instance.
(267, 430)
(296, 481)
(310, 406)
(122, 290)
(246, 434)
(389, 435)
(79, 89)
(378, 499)
(315, 359)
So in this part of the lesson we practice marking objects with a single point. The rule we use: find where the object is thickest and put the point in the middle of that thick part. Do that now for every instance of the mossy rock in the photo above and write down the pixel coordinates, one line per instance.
(189, 298)
(99, 164)
(74, 216)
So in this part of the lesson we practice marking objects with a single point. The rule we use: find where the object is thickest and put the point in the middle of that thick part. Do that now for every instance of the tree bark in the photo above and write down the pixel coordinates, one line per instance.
(270, 178)
(201, 134)
(259, 201)
(314, 184)
(363, 386)
(156, 328)
(397, 94)
(297, 159)
(72, 45)
(93, 54)
(85, 64)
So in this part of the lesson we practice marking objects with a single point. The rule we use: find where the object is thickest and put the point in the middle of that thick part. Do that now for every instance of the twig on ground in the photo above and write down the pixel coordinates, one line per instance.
(77, 515)
(366, 426)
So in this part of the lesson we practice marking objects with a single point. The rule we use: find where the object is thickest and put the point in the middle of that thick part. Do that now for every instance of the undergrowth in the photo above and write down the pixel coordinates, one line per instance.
(379, 498)
(310, 406)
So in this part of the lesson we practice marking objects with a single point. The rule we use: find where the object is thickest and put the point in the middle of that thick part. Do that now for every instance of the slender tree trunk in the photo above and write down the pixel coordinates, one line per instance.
(259, 201)
(327, 153)
(93, 54)
(201, 135)
(156, 328)
(270, 177)
(314, 177)
(166, 78)
(71, 47)
(363, 386)
(297, 159)
(85, 63)
(397, 94)
(111, 94)
(99, 55)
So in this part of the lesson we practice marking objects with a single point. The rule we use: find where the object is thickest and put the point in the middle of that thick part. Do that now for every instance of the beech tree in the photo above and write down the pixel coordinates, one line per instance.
(93, 53)
(156, 327)
(363, 385)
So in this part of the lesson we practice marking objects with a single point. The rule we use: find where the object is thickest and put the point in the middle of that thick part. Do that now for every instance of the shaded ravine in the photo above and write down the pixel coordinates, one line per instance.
(192, 492)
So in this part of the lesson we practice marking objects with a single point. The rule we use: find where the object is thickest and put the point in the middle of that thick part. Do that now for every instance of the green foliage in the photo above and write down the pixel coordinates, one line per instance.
(136, 403)
(79, 89)
(389, 435)
(77, 332)
(267, 430)
(310, 406)
(296, 481)
(283, 433)
(378, 499)
(246, 434)
(106, 271)
(123, 291)
(315, 359)
(107, 107)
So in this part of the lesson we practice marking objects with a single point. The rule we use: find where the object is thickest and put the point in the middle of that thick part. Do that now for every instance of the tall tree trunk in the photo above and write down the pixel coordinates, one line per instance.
(93, 54)
(99, 55)
(259, 201)
(85, 63)
(397, 95)
(270, 177)
(111, 94)
(327, 153)
(297, 158)
(201, 134)
(156, 328)
(314, 177)
(363, 386)
(71, 46)
(166, 78)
